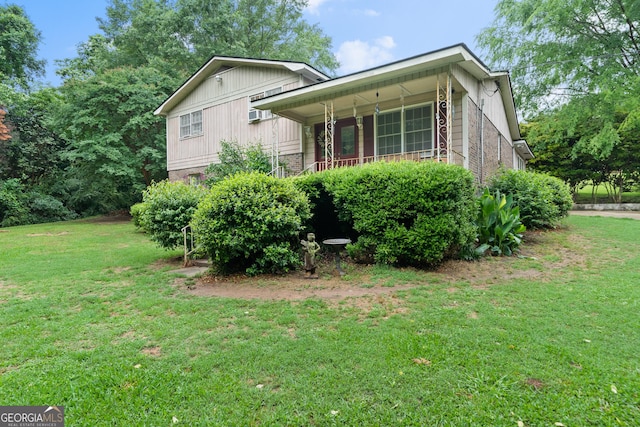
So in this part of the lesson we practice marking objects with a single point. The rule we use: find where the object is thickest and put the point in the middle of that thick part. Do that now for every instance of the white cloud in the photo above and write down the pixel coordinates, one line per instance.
(314, 5)
(371, 12)
(357, 55)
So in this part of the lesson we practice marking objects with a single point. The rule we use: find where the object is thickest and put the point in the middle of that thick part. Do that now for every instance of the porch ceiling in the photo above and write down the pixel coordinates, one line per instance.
(364, 97)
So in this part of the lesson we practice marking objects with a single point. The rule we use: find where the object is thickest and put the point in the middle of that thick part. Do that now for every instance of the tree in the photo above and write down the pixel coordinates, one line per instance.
(235, 159)
(270, 29)
(19, 41)
(576, 74)
(186, 33)
(565, 49)
(116, 143)
(33, 153)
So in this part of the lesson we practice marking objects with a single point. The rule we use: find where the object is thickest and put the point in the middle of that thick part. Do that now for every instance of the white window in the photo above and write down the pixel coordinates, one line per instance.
(191, 124)
(404, 131)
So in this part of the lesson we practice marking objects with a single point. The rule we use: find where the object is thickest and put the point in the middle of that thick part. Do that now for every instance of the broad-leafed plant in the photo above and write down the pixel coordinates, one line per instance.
(499, 226)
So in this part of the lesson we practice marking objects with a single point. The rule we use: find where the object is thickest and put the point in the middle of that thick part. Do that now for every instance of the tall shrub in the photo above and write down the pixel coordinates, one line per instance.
(166, 208)
(405, 213)
(235, 158)
(543, 200)
(251, 222)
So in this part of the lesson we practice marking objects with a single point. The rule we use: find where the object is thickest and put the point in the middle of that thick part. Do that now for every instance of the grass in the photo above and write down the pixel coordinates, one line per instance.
(585, 195)
(92, 320)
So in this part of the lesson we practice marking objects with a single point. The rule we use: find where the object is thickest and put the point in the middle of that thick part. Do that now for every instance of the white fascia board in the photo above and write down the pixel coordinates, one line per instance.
(218, 61)
(437, 59)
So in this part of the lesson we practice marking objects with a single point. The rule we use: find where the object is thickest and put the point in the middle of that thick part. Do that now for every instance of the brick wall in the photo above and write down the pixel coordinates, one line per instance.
(294, 165)
(474, 139)
(185, 174)
(496, 147)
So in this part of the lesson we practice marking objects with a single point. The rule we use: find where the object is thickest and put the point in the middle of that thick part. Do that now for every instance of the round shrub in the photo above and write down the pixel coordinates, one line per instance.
(543, 200)
(405, 213)
(251, 222)
(166, 208)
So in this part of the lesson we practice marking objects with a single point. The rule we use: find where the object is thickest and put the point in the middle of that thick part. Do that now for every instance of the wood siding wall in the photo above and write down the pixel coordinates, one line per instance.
(225, 108)
(484, 90)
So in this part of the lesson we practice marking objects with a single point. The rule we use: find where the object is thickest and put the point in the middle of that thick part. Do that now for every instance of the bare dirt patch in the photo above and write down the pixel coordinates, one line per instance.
(152, 351)
(62, 233)
(291, 287)
(540, 257)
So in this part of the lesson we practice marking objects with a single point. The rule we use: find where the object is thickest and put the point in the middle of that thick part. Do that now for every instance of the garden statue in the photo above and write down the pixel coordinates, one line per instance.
(310, 248)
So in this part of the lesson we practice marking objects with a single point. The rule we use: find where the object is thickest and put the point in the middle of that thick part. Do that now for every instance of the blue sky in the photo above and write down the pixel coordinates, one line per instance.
(365, 33)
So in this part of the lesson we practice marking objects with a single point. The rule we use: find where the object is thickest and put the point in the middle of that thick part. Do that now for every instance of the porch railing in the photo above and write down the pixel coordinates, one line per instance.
(416, 156)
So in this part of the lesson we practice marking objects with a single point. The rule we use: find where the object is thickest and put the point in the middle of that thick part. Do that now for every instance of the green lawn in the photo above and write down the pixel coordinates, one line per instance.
(586, 195)
(92, 320)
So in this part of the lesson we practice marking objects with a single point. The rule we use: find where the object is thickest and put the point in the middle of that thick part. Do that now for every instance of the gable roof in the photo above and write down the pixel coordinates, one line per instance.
(218, 63)
(306, 101)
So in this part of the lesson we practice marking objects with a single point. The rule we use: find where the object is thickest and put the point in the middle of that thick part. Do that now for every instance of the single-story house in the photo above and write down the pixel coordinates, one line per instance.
(444, 105)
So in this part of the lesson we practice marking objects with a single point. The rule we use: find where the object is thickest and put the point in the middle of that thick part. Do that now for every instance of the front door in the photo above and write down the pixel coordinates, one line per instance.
(345, 142)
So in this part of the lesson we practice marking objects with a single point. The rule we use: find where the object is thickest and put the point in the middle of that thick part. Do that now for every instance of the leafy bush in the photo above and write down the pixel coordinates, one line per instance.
(251, 222)
(405, 213)
(499, 226)
(46, 208)
(136, 212)
(543, 200)
(14, 209)
(18, 206)
(235, 159)
(166, 208)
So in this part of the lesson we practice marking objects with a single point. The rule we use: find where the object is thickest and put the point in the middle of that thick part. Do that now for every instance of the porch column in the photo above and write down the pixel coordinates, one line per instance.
(275, 147)
(329, 122)
(443, 119)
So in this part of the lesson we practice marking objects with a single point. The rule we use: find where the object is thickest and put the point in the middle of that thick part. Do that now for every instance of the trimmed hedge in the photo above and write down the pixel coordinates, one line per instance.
(251, 222)
(403, 213)
(543, 199)
(166, 208)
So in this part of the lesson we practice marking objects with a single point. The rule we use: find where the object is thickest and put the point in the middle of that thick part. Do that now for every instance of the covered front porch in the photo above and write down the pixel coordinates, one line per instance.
(410, 110)
(398, 117)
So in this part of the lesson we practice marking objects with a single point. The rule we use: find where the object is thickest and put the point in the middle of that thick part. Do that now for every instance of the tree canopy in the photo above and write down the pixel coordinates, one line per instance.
(564, 49)
(178, 36)
(19, 40)
(576, 72)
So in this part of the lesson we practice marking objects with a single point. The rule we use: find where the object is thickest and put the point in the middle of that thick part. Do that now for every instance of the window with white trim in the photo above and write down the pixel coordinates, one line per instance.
(407, 130)
(191, 124)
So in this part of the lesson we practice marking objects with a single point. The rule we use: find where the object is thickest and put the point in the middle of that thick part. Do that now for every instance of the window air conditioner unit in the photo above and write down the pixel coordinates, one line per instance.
(255, 115)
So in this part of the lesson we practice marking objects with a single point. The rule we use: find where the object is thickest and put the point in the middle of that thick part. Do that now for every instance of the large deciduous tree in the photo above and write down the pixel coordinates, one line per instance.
(185, 33)
(576, 71)
(19, 41)
(116, 143)
(565, 48)
(33, 154)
